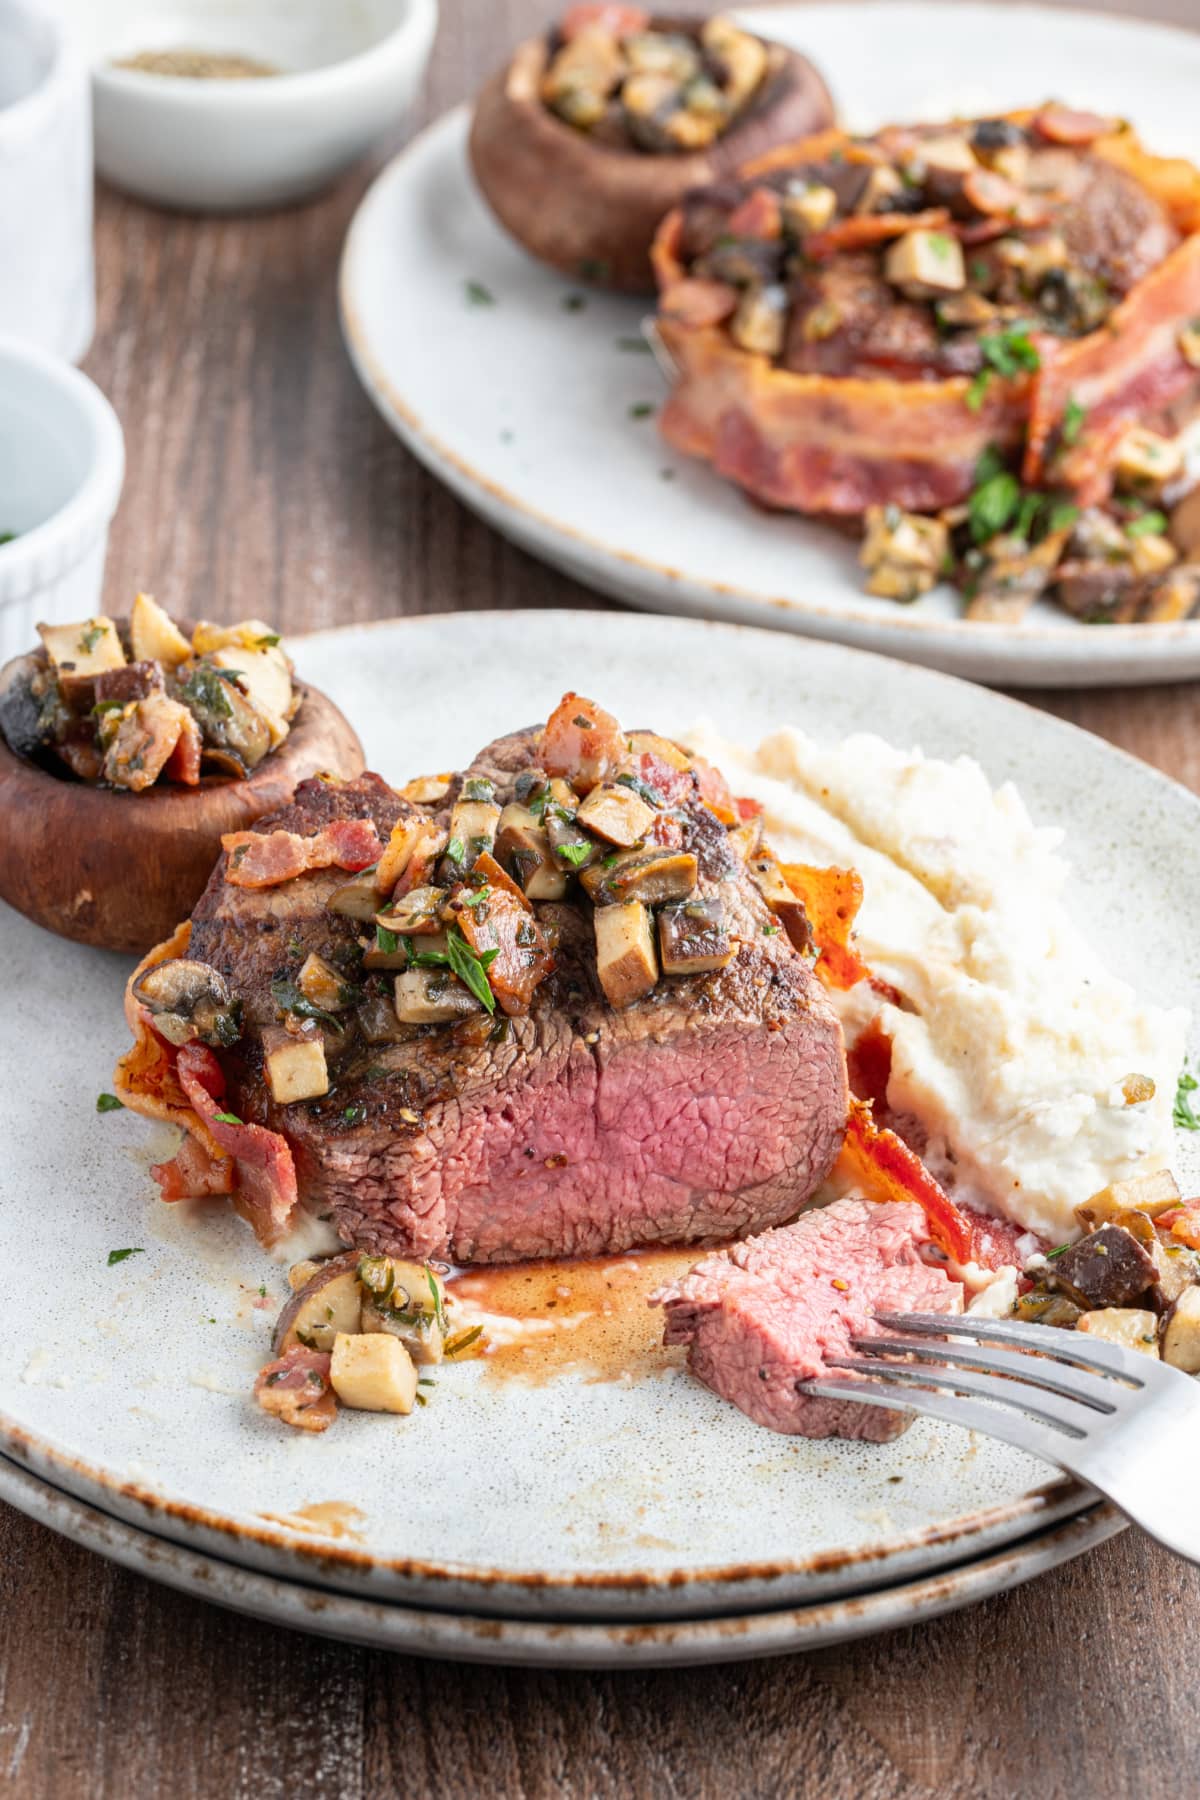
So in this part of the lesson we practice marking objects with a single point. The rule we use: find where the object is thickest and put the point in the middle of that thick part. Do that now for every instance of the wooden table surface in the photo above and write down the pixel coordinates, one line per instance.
(260, 480)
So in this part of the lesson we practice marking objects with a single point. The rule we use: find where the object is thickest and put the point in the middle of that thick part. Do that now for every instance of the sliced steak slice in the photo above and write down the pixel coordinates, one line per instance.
(763, 1316)
(710, 1108)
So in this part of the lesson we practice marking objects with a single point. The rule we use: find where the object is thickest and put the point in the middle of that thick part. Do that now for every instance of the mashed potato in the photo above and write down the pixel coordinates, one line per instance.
(1018, 1040)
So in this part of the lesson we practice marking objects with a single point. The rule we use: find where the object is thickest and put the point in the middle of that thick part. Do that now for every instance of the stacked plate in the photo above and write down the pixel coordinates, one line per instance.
(571, 1520)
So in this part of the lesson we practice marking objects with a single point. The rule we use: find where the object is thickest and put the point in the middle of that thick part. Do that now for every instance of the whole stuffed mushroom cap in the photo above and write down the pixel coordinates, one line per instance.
(590, 208)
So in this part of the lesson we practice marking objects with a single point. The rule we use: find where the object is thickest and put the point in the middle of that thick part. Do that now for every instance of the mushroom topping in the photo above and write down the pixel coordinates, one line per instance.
(926, 264)
(356, 899)
(405, 1300)
(1181, 1333)
(473, 824)
(328, 1302)
(432, 997)
(1130, 1327)
(692, 939)
(295, 1064)
(190, 1002)
(649, 876)
(230, 722)
(373, 1374)
(1149, 1194)
(140, 739)
(625, 956)
(905, 553)
(154, 637)
(523, 850)
(1107, 1268)
(83, 651)
(617, 813)
(769, 879)
(324, 985)
(1147, 463)
(415, 914)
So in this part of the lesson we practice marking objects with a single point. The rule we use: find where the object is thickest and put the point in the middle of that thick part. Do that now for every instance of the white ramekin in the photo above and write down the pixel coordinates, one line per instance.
(47, 287)
(350, 72)
(62, 462)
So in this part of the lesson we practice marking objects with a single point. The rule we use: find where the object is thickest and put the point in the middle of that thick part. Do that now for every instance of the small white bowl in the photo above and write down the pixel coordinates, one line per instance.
(62, 462)
(349, 71)
(47, 288)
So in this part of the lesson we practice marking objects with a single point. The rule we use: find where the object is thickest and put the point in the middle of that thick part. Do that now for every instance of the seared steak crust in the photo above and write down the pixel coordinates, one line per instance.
(710, 1108)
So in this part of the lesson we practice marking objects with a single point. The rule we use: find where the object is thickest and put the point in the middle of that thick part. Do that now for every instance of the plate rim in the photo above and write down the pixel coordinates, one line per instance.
(1057, 1496)
(577, 1644)
(555, 540)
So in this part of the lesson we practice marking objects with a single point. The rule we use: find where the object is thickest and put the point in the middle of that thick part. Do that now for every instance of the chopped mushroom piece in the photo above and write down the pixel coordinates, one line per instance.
(140, 740)
(432, 997)
(1150, 1194)
(473, 824)
(1014, 575)
(153, 636)
(692, 939)
(808, 207)
(625, 957)
(649, 876)
(926, 264)
(1109, 1267)
(405, 838)
(373, 1373)
(415, 914)
(86, 649)
(1146, 462)
(905, 554)
(1181, 1333)
(356, 899)
(406, 1300)
(328, 1302)
(523, 850)
(760, 321)
(295, 1065)
(788, 909)
(616, 813)
(190, 1002)
(426, 790)
(1127, 1326)
(324, 985)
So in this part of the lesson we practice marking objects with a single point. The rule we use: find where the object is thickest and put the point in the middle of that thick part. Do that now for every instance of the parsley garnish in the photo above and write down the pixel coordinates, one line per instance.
(1182, 1114)
(267, 642)
(573, 302)
(1072, 422)
(1150, 523)
(641, 409)
(90, 638)
(593, 268)
(120, 1256)
(992, 504)
(386, 940)
(575, 854)
(289, 999)
(354, 1115)
(477, 294)
(471, 967)
(436, 1291)
(227, 1118)
(456, 851)
(463, 1341)
(1005, 353)
(1051, 1254)
(109, 1103)
(1062, 515)
(7, 537)
(637, 344)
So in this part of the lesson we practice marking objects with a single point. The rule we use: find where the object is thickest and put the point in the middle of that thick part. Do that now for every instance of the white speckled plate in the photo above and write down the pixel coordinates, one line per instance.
(129, 1385)
(540, 1643)
(537, 418)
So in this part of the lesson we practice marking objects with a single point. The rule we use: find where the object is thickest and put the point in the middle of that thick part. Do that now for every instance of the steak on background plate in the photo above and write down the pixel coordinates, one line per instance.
(709, 1107)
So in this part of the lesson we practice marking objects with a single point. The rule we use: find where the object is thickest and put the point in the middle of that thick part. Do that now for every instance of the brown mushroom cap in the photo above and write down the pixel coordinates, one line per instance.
(591, 209)
(120, 870)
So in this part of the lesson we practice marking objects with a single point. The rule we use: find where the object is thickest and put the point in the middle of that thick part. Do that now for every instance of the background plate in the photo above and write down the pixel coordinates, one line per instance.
(527, 410)
(538, 1645)
(129, 1385)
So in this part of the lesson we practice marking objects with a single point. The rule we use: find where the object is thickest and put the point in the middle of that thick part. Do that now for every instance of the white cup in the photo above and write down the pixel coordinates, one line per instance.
(47, 282)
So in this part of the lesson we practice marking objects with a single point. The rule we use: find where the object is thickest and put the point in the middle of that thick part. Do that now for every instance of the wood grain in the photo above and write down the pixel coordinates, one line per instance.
(261, 480)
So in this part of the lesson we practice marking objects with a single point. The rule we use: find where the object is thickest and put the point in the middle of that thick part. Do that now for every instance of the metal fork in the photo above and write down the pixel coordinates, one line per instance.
(1126, 1424)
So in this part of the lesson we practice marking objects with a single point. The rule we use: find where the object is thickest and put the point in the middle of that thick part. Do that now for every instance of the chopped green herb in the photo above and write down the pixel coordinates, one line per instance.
(1026, 514)
(262, 1292)
(267, 641)
(1051, 1254)
(575, 854)
(1149, 524)
(424, 959)
(979, 270)
(204, 691)
(1062, 515)
(471, 968)
(109, 1103)
(386, 940)
(573, 302)
(1182, 1114)
(593, 268)
(7, 537)
(436, 1291)
(354, 1115)
(106, 706)
(666, 474)
(638, 345)
(120, 1256)
(289, 999)
(641, 409)
(1007, 353)
(477, 294)
(463, 1341)
(613, 856)
(769, 930)
(227, 1118)
(1072, 422)
(992, 504)
(939, 244)
(90, 638)
(478, 787)
(456, 851)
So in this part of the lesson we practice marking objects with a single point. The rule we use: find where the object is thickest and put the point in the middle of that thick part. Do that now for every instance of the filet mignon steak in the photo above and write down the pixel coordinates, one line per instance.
(763, 1316)
(710, 1107)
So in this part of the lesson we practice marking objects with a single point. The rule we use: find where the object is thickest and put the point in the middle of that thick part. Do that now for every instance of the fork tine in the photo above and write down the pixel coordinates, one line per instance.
(1089, 1390)
(1072, 1420)
(1010, 1427)
(1064, 1346)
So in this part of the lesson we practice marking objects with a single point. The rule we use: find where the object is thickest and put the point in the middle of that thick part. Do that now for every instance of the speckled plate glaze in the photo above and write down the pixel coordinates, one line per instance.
(534, 1643)
(129, 1385)
(538, 416)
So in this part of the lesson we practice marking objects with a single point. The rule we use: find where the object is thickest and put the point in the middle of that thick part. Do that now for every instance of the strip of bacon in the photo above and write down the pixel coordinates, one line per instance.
(183, 764)
(832, 898)
(602, 15)
(864, 230)
(266, 1174)
(694, 301)
(759, 215)
(261, 859)
(889, 1170)
(1130, 368)
(296, 1389)
(193, 1174)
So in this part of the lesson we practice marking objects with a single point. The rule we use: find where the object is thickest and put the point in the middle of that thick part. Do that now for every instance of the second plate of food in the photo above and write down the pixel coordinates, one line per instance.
(564, 1460)
(536, 397)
